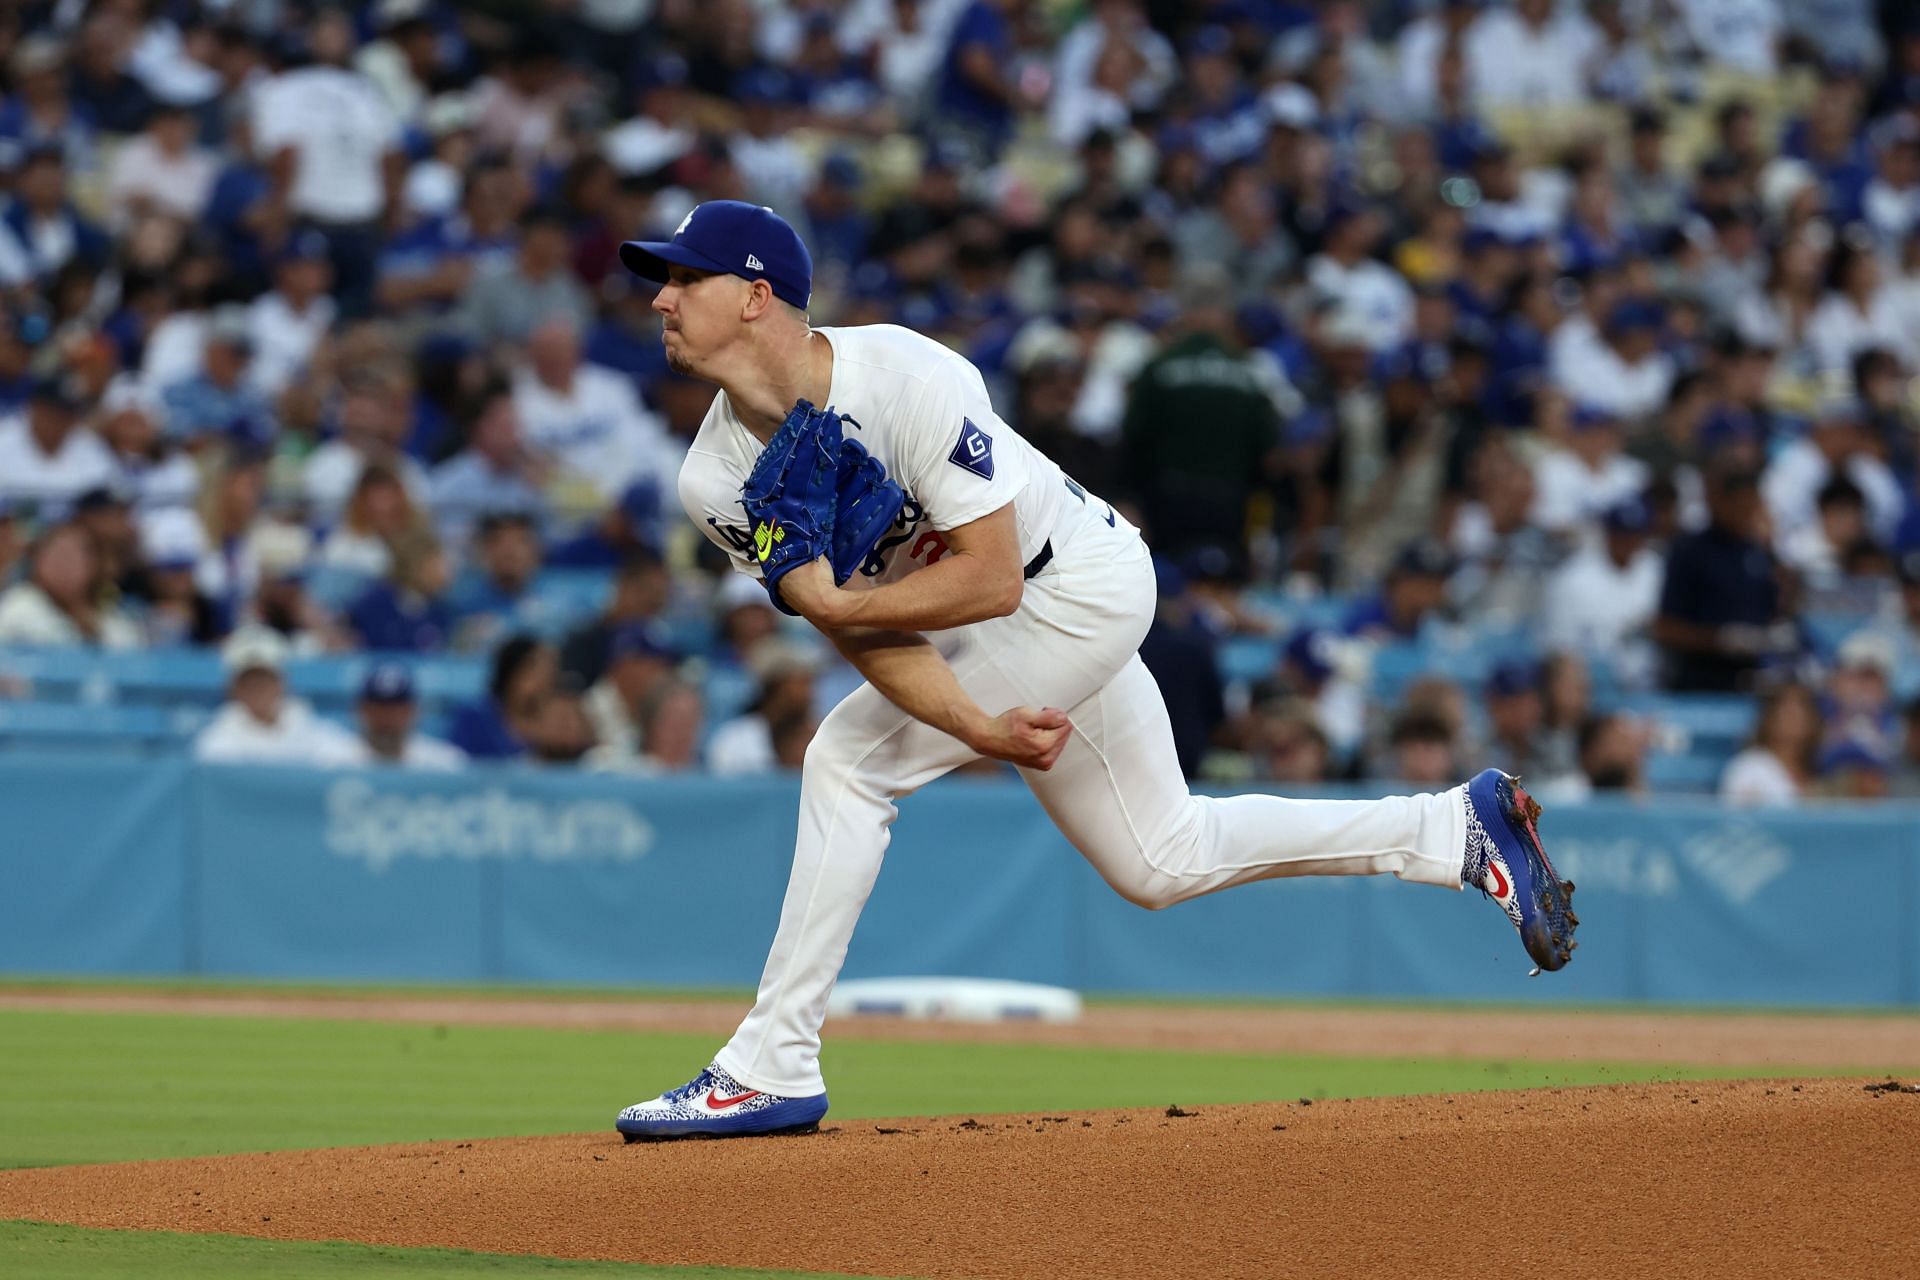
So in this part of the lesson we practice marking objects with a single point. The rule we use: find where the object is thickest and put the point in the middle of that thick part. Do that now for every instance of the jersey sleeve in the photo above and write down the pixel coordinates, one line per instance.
(957, 458)
(711, 498)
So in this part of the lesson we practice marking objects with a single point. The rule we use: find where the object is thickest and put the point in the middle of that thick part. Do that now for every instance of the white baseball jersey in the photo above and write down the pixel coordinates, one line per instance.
(922, 412)
(1116, 792)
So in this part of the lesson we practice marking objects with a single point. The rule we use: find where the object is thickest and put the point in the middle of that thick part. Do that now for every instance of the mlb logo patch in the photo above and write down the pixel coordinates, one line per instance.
(973, 451)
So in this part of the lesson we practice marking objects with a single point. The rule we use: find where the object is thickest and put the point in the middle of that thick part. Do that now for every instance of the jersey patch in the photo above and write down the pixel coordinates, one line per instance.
(974, 450)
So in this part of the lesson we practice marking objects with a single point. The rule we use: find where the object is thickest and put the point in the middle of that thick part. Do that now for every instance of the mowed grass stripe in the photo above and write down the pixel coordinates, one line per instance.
(87, 1087)
(51, 1252)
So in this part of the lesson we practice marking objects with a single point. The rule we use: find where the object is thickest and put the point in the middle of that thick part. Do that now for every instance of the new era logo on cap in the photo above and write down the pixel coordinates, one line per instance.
(754, 264)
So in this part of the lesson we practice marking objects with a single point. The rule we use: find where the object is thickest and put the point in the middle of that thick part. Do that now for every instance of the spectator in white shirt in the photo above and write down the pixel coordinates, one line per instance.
(230, 516)
(1777, 764)
(638, 660)
(1587, 474)
(1891, 201)
(389, 713)
(1605, 596)
(60, 603)
(670, 720)
(1743, 35)
(746, 744)
(906, 40)
(1837, 444)
(1121, 22)
(376, 415)
(1816, 550)
(161, 171)
(176, 611)
(378, 515)
(403, 61)
(1621, 370)
(1363, 286)
(588, 420)
(260, 723)
(157, 475)
(1528, 56)
(1110, 63)
(333, 152)
(46, 456)
(1620, 67)
(662, 127)
(1418, 51)
(1858, 314)
(287, 325)
(776, 169)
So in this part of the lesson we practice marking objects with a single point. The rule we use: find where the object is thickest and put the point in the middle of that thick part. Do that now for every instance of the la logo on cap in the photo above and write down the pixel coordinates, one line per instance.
(754, 264)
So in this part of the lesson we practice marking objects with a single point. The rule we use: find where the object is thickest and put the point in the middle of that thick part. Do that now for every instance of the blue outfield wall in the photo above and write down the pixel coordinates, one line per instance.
(145, 867)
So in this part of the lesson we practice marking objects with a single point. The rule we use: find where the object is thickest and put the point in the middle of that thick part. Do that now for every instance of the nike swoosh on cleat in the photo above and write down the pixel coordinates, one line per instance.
(1499, 879)
(721, 1104)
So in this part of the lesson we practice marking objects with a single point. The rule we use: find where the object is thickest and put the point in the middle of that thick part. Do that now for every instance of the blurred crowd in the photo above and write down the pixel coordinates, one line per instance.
(1597, 321)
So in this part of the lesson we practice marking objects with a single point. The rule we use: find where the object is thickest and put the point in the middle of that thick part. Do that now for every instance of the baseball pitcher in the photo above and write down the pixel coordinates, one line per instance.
(995, 608)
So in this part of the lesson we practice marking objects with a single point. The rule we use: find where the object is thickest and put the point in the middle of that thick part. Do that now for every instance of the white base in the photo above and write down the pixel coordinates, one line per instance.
(955, 1000)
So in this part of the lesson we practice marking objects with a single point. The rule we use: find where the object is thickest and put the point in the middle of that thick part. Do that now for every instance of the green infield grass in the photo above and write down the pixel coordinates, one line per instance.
(49, 1252)
(87, 1087)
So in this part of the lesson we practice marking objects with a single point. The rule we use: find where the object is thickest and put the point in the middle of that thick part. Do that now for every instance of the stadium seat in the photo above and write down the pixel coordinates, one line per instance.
(41, 725)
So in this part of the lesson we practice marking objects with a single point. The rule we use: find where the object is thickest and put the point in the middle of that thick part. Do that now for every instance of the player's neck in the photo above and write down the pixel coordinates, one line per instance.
(797, 369)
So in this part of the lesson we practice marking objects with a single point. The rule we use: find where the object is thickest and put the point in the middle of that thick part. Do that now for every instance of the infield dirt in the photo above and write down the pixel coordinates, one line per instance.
(1781, 1178)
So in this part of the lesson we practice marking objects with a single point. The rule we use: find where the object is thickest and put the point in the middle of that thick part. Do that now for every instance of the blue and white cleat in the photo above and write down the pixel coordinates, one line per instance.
(1506, 862)
(715, 1105)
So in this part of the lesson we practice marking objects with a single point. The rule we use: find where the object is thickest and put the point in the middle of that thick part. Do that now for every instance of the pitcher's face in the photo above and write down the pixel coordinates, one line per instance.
(699, 316)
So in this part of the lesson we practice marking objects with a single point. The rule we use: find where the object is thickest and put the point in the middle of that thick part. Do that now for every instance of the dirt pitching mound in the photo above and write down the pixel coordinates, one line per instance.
(1712, 1179)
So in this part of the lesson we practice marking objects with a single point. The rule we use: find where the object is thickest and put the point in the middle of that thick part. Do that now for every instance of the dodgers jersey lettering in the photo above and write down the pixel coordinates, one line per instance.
(922, 411)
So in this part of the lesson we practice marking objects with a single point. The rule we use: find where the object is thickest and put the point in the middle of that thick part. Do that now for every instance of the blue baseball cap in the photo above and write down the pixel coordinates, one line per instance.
(389, 682)
(640, 640)
(1634, 314)
(305, 246)
(1312, 651)
(733, 238)
(1851, 754)
(1630, 515)
(1588, 416)
(1512, 677)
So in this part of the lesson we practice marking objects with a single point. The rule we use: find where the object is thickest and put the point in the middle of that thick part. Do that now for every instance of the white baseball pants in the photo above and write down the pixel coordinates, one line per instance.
(1116, 793)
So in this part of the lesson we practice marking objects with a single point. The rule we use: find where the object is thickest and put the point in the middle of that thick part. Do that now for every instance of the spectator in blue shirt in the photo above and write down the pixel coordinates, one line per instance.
(40, 113)
(838, 228)
(429, 267)
(498, 726)
(40, 230)
(1178, 650)
(99, 83)
(219, 397)
(496, 597)
(409, 612)
(1722, 614)
(629, 525)
(976, 93)
(1416, 587)
(495, 472)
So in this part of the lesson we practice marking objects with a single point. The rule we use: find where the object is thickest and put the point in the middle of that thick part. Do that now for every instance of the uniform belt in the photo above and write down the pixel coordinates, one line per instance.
(1041, 559)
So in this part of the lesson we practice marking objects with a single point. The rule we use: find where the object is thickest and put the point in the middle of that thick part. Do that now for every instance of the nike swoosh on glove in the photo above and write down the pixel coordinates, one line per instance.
(790, 495)
(867, 505)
